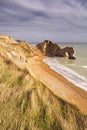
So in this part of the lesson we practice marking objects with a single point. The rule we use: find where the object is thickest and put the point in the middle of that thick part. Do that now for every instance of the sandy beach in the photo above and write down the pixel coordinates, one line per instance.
(51, 79)
(57, 83)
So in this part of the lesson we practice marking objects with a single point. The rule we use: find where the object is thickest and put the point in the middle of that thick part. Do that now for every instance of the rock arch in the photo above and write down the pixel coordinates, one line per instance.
(48, 48)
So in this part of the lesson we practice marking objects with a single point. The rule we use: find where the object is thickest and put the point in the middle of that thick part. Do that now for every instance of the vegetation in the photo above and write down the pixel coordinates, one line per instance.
(26, 104)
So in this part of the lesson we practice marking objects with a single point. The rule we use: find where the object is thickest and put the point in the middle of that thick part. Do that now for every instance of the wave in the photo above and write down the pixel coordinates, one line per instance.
(68, 73)
(84, 67)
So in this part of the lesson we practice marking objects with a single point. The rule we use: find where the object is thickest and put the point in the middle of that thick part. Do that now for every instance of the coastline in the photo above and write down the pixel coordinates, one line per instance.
(69, 74)
(56, 83)
(42, 72)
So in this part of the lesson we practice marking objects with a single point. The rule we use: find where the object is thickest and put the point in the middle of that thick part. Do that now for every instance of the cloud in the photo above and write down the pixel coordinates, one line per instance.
(46, 17)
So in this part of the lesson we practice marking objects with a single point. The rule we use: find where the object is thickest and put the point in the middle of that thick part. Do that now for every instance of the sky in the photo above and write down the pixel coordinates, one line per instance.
(37, 20)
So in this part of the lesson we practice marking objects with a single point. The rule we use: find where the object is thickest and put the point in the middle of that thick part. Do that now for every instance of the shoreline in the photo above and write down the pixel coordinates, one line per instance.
(67, 77)
(56, 83)
(67, 82)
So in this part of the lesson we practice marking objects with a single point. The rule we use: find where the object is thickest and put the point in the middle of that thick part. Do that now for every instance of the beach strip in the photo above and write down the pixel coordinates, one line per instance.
(57, 83)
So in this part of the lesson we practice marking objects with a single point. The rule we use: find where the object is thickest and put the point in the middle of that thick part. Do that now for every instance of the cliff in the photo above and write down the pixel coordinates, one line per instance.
(25, 102)
(6, 39)
(48, 48)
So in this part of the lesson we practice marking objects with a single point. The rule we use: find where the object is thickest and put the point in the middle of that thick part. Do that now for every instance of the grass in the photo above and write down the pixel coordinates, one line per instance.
(26, 104)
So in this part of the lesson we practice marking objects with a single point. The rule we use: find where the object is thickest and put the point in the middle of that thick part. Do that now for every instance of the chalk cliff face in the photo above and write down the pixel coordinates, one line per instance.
(11, 49)
(6, 38)
(50, 49)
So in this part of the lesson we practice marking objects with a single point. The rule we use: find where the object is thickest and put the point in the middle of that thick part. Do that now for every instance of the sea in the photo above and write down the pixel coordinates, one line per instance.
(73, 70)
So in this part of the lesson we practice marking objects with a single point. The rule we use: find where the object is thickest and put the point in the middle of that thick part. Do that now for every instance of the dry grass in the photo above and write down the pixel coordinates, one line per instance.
(26, 104)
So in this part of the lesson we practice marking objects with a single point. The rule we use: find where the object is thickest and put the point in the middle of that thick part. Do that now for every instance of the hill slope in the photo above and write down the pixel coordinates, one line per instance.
(26, 103)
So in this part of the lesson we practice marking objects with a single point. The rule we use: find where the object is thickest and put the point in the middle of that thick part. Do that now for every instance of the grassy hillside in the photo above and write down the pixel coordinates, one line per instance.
(26, 104)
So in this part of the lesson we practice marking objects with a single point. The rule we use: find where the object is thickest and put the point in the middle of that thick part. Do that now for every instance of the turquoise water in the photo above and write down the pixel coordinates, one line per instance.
(74, 70)
(80, 64)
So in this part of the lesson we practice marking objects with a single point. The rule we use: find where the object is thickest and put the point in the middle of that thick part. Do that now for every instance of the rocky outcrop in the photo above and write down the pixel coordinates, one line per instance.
(16, 48)
(50, 49)
(6, 39)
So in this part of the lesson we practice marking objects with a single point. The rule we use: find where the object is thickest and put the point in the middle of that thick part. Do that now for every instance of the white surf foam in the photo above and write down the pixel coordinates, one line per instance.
(84, 67)
(68, 73)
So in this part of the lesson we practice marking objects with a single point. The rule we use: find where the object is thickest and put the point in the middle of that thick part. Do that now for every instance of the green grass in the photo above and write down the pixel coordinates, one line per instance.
(26, 104)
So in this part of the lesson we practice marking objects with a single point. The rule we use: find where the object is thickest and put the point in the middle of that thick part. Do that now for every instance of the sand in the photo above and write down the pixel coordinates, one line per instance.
(57, 83)
(54, 81)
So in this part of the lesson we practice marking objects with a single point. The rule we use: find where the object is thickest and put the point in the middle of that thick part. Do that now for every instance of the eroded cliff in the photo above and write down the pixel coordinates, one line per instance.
(48, 48)
(26, 103)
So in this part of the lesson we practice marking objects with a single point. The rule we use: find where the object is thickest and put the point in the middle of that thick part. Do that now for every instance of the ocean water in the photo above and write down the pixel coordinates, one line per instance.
(73, 70)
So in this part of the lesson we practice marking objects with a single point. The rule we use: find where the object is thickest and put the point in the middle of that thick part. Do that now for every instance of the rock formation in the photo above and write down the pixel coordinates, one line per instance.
(50, 49)
(6, 39)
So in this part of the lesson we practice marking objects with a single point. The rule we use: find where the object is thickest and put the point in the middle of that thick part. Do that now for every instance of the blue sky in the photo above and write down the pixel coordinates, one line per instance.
(37, 20)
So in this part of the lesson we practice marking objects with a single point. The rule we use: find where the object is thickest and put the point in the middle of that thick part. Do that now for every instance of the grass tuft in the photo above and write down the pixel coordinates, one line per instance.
(26, 104)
